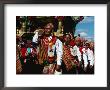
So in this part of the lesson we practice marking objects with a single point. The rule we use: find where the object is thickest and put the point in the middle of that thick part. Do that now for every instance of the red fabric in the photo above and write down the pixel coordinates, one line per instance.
(53, 39)
(67, 57)
(72, 43)
(23, 52)
(78, 39)
(80, 49)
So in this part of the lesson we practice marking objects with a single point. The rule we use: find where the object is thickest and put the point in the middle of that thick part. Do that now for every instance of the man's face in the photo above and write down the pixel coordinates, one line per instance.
(48, 29)
(87, 45)
(67, 38)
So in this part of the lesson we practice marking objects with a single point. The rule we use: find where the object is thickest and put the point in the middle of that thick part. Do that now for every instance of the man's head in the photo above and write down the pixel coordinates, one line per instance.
(87, 45)
(48, 28)
(67, 38)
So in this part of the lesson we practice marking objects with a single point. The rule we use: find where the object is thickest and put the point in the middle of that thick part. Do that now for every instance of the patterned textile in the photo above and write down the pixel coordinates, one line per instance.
(43, 48)
(50, 69)
(18, 67)
(68, 58)
(18, 64)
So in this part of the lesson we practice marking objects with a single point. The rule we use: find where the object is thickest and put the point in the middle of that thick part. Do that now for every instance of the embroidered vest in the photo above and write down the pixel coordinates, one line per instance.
(68, 58)
(47, 50)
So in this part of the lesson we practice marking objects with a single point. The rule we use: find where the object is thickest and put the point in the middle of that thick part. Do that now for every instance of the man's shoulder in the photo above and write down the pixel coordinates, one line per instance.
(58, 40)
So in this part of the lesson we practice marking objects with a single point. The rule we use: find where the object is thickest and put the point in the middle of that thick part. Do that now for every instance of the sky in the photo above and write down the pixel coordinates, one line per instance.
(86, 28)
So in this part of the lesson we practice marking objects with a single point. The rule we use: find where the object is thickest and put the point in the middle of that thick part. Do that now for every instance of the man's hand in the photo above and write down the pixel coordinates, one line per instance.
(40, 32)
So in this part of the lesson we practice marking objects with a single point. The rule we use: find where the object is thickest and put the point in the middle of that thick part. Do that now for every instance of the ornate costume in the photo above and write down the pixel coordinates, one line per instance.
(18, 63)
(68, 58)
(50, 53)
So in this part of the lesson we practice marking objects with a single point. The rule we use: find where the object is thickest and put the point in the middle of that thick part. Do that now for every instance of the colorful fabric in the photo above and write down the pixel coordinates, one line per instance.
(29, 50)
(44, 46)
(47, 43)
(72, 43)
(50, 69)
(68, 58)
(18, 64)
(80, 49)
(23, 52)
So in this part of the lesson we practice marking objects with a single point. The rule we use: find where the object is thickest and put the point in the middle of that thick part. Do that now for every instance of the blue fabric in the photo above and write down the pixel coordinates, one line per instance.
(29, 50)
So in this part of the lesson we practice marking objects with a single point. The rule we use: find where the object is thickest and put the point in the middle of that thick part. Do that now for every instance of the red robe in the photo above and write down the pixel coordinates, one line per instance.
(67, 57)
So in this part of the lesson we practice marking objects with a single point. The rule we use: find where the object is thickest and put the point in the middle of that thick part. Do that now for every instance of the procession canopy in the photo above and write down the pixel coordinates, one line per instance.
(62, 24)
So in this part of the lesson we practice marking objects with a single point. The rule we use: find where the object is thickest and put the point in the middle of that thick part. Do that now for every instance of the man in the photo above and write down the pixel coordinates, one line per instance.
(76, 51)
(50, 50)
(88, 57)
(68, 58)
(77, 54)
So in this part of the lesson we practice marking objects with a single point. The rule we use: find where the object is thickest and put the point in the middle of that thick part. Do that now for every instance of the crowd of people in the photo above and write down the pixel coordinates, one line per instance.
(49, 54)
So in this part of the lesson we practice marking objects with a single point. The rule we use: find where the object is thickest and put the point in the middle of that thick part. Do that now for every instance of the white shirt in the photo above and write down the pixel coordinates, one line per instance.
(76, 52)
(88, 55)
(35, 37)
(85, 57)
(59, 51)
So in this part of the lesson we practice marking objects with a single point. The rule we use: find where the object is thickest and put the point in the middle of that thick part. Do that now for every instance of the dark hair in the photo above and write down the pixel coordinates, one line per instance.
(23, 45)
(79, 35)
(87, 44)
